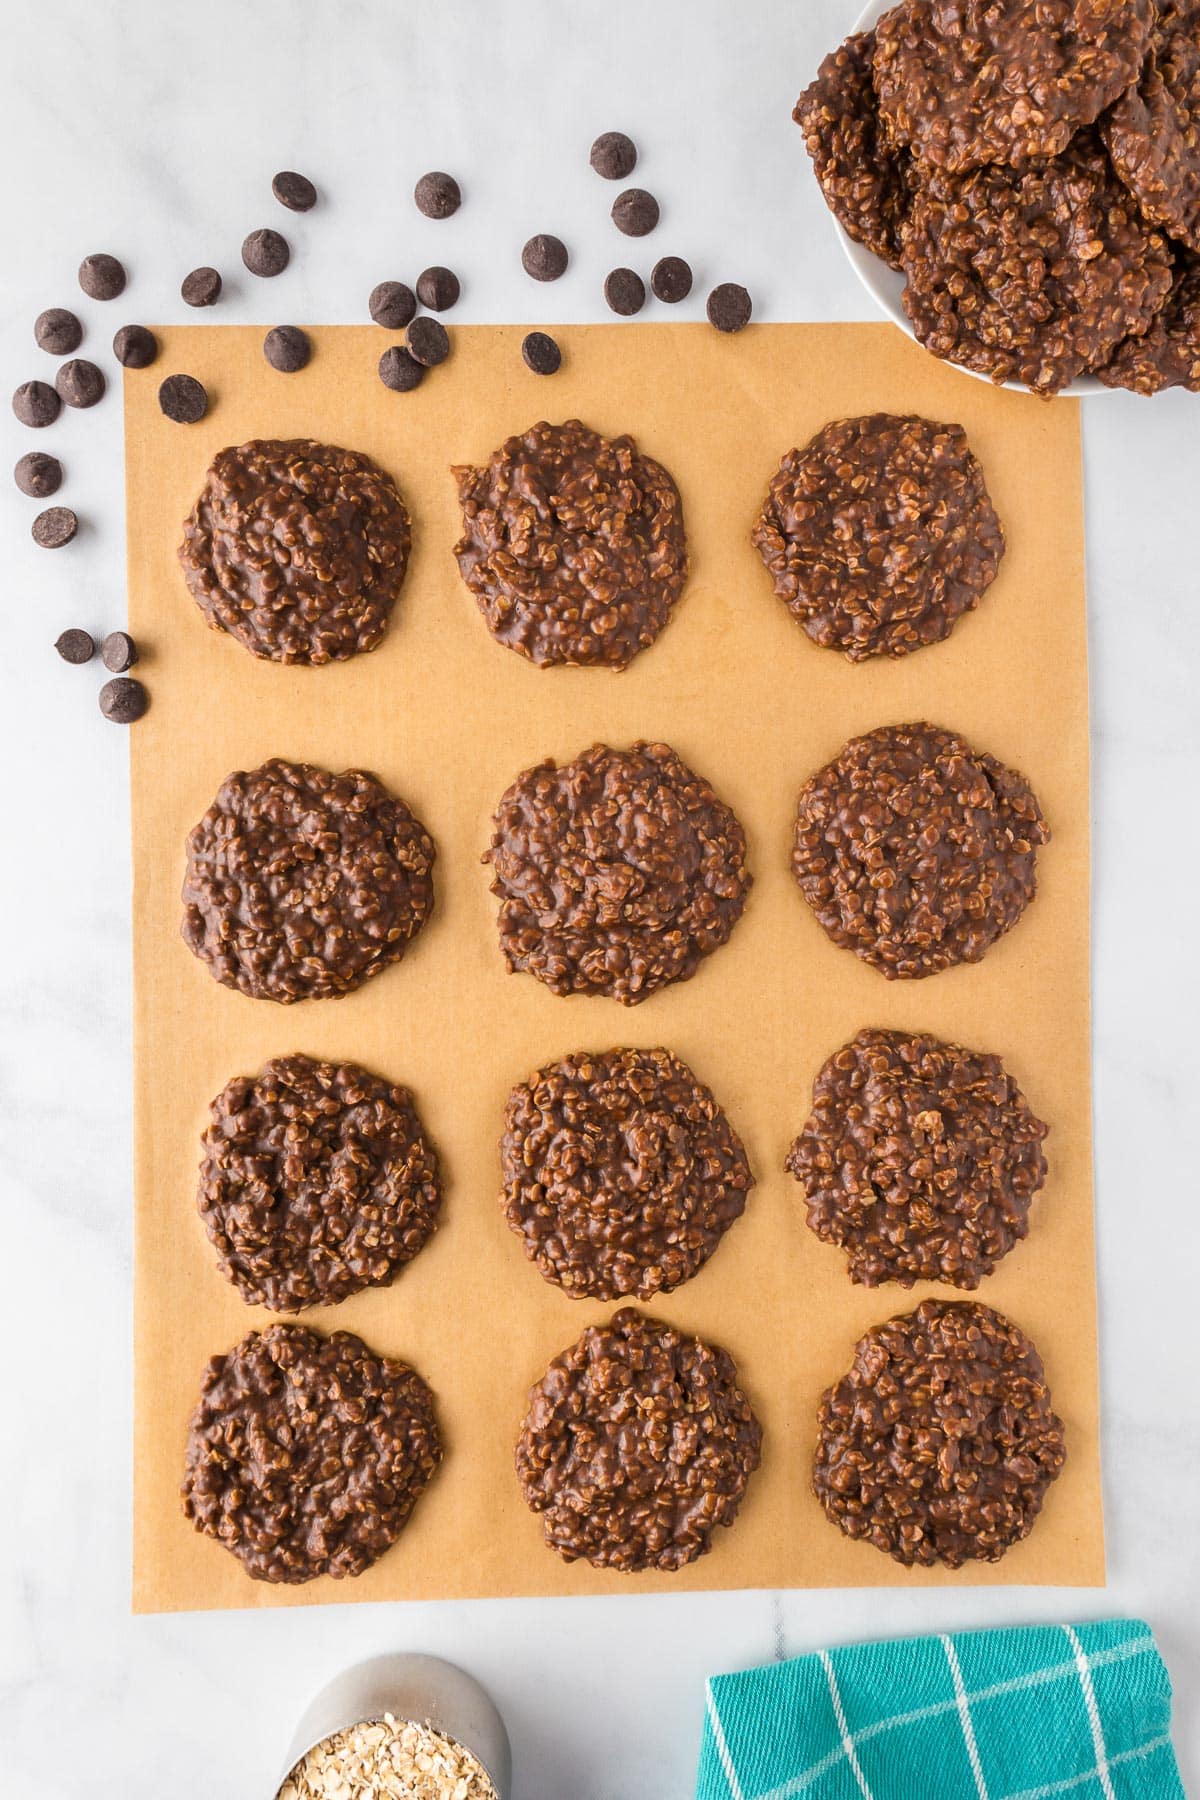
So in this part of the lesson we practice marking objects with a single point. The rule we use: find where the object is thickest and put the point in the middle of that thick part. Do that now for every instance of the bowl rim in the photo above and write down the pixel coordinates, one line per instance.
(885, 285)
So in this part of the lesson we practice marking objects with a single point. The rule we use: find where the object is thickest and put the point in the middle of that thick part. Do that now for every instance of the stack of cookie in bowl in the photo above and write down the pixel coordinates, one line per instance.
(1032, 169)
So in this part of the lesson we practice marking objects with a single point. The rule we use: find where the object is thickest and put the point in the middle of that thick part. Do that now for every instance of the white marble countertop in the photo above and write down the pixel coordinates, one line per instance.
(153, 130)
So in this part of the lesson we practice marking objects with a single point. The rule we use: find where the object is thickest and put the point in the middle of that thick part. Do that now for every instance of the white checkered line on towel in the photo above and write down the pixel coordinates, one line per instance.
(718, 1731)
(1093, 1711)
(839, 1713)
(797, 1784)
(1134, 1754)
(964, 1713)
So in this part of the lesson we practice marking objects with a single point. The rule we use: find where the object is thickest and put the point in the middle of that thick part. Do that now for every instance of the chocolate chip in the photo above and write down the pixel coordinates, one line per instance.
(400, 371)
(428, 342)
(437, 288)
(729, 307)
(38, 475)
(123, 700)
(54, 527)
(57, 331)
(296, 192)
(36, 403)
(437, 195)
(80, 383)
(392, 305)
(75, 646)
(544, 257)
(635, 212)
(287, 348)
(625, 291)
(202, 287)
(183, 399)
(266, 252)
(135, 347)
(101, 277)
(541, 353)
(118, 652)
(613, 155)
(671, 280)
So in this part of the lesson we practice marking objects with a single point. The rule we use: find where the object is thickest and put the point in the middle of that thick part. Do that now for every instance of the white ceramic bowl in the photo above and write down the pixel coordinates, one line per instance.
(885, 286)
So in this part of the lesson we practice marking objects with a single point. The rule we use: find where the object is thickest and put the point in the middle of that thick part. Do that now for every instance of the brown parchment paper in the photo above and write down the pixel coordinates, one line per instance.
(447, 717)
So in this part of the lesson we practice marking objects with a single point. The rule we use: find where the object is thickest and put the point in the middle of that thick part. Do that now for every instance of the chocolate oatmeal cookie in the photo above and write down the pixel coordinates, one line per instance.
(1168, 355)
(621, 1173)
(968, 82)
(916, 851)
(316, 1180)
(939, 1445)
(616, 873)
(300, 883)
(573, 545)
(1031, 276)
(297, 549)
(307, 1454)
(1153, 131)
(880, 534)
(637, 1444)
(921, 1159)
(860, 170)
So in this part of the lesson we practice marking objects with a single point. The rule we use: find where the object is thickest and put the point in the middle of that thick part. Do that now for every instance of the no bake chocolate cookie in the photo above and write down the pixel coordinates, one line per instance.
(621, 1173)
(968, 82)
(297, 549)
(1153, 131)
(939, 1444)
(301, 884)
(1032, 275)
(879, 534)
(860, 169)
(307, 1454)
(637, 1445)
(573, 545)
(616, 873)
(915, 850)
(921, 1159)
(1168, 355)
(316, 1180)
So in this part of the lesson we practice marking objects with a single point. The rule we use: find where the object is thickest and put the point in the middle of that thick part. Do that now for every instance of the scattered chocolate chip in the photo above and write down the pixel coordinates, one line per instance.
(123, 700)
(635, 212)
(38, 475)
(266, 252)
(54, 527)
(135, 347)
(428, 342)
(202, 287)
(287, 348)
(437, 195)
(437, 288)
(118, 652)
(183, 399)
(101, 277)
(613, 155)
(80, 383)
(729, 307)
(75, 646)
(544, 257)
(57, 331)
(296, 192)
(671, 280)
(400, 371)
(541, 353)
(392, 305)
(36, 403)
(625, 291)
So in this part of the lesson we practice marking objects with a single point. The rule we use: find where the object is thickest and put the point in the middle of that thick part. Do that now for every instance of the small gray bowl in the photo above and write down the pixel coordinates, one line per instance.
(422, 1688)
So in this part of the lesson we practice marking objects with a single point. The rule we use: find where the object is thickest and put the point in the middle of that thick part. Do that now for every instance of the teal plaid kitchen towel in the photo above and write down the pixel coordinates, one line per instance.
(1026, 1714)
